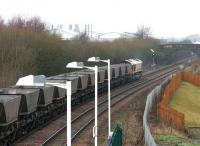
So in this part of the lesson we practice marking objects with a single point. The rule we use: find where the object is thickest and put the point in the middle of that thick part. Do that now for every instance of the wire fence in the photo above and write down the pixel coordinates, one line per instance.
(152, 96)
(176, 118)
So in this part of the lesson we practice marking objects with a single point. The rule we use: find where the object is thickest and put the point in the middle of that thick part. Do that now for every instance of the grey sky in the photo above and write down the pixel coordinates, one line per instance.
(168, 18)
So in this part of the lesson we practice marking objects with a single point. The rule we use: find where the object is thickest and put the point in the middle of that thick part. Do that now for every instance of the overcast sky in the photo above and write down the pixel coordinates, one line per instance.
(167, 18)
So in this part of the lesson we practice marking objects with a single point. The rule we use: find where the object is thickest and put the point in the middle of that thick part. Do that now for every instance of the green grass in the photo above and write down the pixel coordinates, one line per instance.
(189, 69)
(186, 100)
(172, 140)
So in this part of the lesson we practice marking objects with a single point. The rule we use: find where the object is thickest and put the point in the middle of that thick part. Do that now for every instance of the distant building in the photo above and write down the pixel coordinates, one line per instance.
(70, 32)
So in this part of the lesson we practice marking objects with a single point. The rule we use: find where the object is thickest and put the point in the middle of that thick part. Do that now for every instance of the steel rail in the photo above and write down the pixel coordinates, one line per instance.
(104, 104)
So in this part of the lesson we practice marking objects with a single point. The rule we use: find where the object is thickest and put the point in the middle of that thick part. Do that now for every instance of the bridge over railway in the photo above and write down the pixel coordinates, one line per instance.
(180, 46)
(177, 51)
(177, 47)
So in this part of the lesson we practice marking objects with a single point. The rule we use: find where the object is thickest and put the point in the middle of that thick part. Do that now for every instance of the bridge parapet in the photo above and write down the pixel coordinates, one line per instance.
(180, 46)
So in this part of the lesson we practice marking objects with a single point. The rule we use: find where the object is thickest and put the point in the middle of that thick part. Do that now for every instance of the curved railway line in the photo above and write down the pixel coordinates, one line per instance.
(57, 136)
(82, 121)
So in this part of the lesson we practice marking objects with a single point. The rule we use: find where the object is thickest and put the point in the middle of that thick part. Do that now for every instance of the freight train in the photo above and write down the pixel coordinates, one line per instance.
(24, 108)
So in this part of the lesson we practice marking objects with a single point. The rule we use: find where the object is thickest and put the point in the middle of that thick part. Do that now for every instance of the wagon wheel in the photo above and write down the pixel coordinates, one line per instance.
(54, 112)
(12, 136)
(26, 128)
(50, 114)
(63, 108)
(5, 134)
(34, 125)
(45, 117)
(59, 109)
(2, 135)
(41, 120)
(5, 142)
(18, 133)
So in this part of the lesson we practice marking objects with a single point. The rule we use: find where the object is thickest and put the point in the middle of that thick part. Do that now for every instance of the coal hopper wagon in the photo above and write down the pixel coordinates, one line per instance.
(24, 108)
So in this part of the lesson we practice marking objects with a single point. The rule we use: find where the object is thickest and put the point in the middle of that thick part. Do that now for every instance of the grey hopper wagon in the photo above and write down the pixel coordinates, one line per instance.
(119, 69)
(62, 78)
(122, 69)
(9, 107)
(91, 76)
(29, 98)
(46, 94)
(114, 71)
(105, 69)
(101, 75)
(83, 79)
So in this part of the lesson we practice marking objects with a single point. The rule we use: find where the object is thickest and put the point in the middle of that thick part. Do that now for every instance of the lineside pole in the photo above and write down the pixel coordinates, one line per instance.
(68, 113)
(109, 108)
(95, 128)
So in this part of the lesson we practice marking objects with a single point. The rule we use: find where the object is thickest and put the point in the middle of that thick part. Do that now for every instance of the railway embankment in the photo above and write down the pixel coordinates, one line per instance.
(174, 119)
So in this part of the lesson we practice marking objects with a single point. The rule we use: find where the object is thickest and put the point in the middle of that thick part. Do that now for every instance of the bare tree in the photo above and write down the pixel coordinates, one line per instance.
(1, 22)
(33, 23)
(17, 22)
(36, 24)
(143, 32)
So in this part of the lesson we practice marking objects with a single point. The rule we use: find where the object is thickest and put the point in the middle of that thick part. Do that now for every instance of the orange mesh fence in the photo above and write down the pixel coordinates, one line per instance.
(171, 88)
(192, 78)
(168, 115)
(171, 117)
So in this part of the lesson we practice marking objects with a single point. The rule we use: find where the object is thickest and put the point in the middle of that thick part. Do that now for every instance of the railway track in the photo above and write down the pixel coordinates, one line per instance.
(86, 117)
(82, 121)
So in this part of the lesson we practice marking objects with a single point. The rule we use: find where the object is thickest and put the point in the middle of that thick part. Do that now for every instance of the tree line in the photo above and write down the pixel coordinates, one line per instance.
(27, 46)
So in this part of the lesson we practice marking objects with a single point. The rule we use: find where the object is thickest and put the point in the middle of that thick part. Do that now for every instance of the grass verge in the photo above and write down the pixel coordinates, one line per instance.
(187, 100)
(172, 140)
